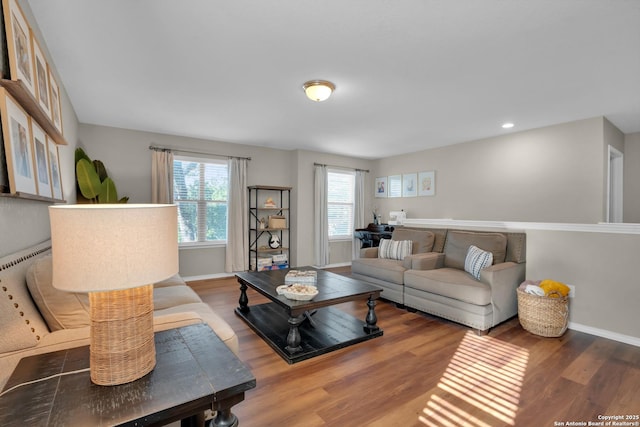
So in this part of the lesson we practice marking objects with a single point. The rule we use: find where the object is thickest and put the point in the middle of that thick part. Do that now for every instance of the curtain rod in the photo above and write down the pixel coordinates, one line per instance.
(342, 167)
(179, 150)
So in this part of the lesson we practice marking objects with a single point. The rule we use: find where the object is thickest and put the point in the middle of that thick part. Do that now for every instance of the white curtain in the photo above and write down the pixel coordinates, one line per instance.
(358, 210)
(237, 255)
(321, 222)
(161, 176)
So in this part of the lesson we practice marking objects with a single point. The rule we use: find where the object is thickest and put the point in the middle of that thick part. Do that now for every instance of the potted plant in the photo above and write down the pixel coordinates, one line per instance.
(94, 184)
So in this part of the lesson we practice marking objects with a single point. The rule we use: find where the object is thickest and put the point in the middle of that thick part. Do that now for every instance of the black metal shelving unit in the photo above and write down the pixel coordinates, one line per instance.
(259, 237)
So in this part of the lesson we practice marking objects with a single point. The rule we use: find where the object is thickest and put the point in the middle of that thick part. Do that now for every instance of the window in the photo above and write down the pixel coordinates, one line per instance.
(200, 189)
(340, 200)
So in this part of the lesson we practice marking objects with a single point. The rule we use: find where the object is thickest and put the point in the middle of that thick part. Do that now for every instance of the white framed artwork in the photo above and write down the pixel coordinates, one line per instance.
(409, 185)
(427, 183)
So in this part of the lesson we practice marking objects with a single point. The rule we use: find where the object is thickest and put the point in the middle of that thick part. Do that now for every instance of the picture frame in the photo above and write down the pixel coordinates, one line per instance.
(409, 185)
(381, 187)
(54, 95)
(427, 183)
(394, 186)
(41, 74)
(54, 163)
(19, 45)
(41, 157)
(16, 133)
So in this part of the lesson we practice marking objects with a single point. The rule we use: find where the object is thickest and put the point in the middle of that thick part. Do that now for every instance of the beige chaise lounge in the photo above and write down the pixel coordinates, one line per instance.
(37, 318)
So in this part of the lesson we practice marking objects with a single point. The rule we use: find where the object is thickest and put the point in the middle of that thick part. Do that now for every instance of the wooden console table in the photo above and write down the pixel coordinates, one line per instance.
(195, 371)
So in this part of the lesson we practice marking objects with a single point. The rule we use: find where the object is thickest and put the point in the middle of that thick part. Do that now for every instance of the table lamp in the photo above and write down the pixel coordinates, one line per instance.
(115, 252)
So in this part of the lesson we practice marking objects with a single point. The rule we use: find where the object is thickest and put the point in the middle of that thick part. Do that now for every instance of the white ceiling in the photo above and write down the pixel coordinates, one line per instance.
(409, 74)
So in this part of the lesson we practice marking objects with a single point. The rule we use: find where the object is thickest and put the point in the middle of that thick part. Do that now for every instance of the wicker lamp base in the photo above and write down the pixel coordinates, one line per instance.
(122, 347)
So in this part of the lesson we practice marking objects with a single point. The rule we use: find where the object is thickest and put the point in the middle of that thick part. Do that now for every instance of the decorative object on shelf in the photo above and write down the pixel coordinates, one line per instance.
(93, 181)
(41, 74)
(381, 186)
(318, 90)
(138, 246)
(297, 291)
(262, 224)
(42, 161)
(16, 132)
(56, 110)
(19, 45)
(277, 221)
(56, 178)
(274, 241)
(269, 203)
(426, 183)
(409, 185)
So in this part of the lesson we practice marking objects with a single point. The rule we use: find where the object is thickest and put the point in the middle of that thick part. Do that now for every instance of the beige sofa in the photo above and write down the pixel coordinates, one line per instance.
(37, 318)
(437, 282)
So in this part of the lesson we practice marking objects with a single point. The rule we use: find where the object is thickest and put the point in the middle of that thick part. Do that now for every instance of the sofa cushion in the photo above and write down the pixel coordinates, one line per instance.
(476, 260)
(458, 242)
(60, 309)
(451, 283)
(422, 239)
(171, 296)
(394, 249)
(389, 270)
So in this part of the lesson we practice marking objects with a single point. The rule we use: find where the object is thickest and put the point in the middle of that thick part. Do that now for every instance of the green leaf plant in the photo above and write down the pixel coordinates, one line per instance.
(94, 184)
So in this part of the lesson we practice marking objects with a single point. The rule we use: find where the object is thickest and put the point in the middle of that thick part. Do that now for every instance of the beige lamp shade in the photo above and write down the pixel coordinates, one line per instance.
(112, 246)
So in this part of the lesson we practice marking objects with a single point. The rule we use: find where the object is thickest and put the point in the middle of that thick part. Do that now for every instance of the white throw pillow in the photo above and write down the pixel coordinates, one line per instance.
(394, 249)
(476, 260)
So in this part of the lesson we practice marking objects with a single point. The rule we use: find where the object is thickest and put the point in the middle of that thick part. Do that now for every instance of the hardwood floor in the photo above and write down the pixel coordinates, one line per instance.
(425, 371)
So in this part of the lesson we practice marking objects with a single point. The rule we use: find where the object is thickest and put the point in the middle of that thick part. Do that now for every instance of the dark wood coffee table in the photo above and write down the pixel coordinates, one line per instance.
(299, 330)
(195, 371)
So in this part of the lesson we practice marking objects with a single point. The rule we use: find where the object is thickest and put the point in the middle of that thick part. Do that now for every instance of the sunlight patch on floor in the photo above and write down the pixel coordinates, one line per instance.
(480, 387)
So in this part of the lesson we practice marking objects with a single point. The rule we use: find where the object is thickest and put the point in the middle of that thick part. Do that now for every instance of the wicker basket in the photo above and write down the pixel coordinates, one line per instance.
(544, 316)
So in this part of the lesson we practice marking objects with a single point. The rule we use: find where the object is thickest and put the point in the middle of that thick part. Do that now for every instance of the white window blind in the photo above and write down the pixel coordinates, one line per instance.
(200, 189)
(340, 200)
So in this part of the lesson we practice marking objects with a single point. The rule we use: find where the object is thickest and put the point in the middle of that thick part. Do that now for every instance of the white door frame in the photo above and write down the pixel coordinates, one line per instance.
(614, 185)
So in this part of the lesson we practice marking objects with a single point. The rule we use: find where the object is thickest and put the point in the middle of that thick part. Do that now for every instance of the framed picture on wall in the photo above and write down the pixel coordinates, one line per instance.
(394, 186)
(41, 156)
(54, 162)
(41, 73)
(16, 132)
(381, 187)
(56, 110)
(426, 183)
(19, 45)
(409, 185)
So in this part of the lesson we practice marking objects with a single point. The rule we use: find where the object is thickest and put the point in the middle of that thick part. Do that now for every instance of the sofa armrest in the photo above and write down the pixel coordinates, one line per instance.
(503, 279)
(425, 261)
(369, 253)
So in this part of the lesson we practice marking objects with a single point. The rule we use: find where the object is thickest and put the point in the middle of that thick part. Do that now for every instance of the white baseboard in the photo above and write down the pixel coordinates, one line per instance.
(627, 339)
(208, 276)
(340, 264)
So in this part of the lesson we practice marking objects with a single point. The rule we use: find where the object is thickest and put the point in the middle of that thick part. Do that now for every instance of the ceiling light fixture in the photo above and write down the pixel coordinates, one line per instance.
(507, 126)
(318, 90)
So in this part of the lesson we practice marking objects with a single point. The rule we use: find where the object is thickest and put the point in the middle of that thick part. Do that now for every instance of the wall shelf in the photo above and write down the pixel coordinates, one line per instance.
(22, 95)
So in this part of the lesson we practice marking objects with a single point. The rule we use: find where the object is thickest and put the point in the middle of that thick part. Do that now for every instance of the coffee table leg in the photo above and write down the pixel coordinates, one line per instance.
(371, 319)
(293, 339)
(244, 299)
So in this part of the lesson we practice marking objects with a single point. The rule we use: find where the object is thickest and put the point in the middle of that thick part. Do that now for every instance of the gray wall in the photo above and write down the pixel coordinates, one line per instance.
(26, 222)
(127, 157)
(631, 178)
(551, 174)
